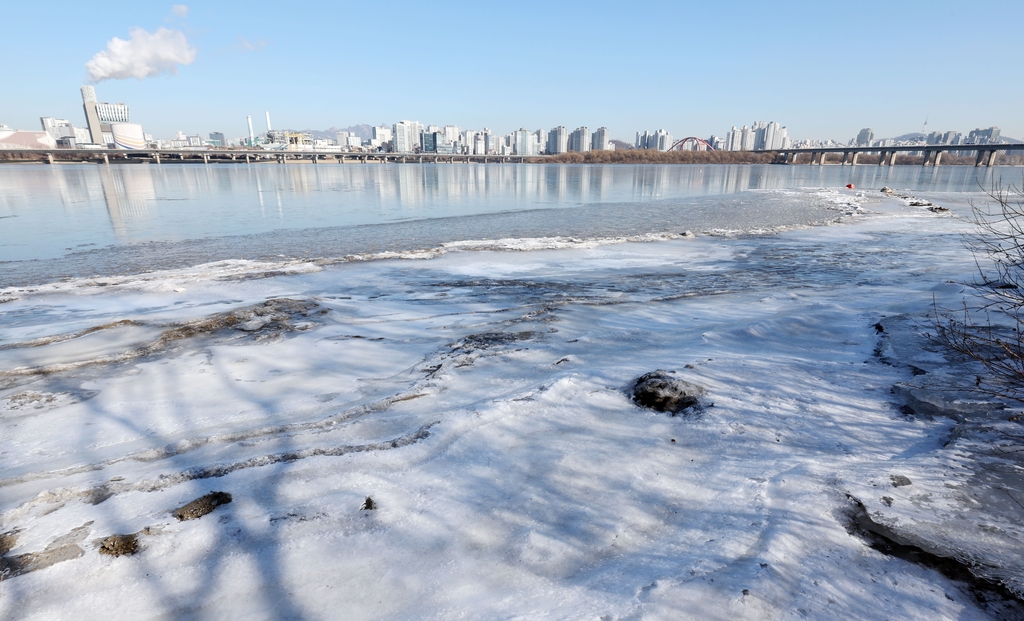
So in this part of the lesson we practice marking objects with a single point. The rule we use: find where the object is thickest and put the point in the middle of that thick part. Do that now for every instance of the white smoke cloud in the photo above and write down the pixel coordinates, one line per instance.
(180, 10)
(144, 55)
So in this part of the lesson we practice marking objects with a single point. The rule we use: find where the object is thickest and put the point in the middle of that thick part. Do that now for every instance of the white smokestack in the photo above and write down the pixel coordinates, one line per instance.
(268, 121)
(252, 139)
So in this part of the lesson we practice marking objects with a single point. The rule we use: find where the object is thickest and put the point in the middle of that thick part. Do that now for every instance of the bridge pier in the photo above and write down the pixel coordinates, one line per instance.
(978, 161)
(856, 154)
(206, 158)
(315, 158)
(49, 158)
(992, 157)
(246, 158)
(106, 160)
(280, 159)
(156, 157)
(846, 158)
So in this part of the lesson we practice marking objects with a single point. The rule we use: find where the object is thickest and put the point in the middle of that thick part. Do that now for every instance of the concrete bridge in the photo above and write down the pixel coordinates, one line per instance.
(159, 156)
(986, 153)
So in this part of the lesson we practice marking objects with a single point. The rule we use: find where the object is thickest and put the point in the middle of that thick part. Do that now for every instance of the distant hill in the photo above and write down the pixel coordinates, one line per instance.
(621, 145)
(911, 136)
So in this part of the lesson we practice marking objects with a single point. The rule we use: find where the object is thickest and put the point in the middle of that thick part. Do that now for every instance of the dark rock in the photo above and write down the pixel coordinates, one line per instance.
(663, 392)
(368, 505)
(898, 480)
(202, 505)
(120, 545)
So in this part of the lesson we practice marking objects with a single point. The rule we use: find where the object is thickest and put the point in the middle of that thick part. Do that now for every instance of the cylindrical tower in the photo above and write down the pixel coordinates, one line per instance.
(252, 138)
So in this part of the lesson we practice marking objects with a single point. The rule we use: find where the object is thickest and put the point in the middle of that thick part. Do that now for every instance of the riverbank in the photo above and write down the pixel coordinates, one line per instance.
(454, 436)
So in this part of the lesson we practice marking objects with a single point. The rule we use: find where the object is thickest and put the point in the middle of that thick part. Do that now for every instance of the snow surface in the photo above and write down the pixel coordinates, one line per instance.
(479, 398)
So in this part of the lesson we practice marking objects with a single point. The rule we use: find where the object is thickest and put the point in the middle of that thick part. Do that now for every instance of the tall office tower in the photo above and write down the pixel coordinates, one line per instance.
(782, 136)
(452, 134)
(91, 118)
(252, 138)
(558, 141)
(406, 136)
(579, 140)
(479, 143)
(600, 141)
(431, 140)
(217, 138)
(381, 134)
(432, 129)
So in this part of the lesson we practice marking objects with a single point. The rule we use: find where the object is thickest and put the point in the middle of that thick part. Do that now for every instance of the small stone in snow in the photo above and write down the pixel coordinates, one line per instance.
(898, 480)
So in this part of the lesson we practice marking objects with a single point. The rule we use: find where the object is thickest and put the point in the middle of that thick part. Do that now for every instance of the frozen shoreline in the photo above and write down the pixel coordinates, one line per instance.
(478, 398)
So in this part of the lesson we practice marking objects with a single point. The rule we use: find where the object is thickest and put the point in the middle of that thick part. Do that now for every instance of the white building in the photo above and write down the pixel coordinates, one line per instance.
(406, 136)
(525, 143)
(579, 140)
(600, 141)
(558, 141)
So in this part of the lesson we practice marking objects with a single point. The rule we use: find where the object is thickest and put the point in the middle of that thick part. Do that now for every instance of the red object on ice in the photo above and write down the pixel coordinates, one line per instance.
(849, 186)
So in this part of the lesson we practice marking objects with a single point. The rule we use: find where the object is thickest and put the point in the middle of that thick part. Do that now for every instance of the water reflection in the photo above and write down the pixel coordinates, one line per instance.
(73, 205)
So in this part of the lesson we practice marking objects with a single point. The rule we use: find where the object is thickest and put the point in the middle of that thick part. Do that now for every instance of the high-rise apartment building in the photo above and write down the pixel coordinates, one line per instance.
(600, 140)
(524, 142)
(558, 141)
(983, 136)
(865, 137)
(217, 138)
(579, 140)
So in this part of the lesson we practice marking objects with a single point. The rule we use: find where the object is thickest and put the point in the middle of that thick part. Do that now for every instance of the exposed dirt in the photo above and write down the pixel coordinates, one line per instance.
(120, 545)
(202, 505)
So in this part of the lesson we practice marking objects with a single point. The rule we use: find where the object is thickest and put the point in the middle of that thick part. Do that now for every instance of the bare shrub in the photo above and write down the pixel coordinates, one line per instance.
(989, 329)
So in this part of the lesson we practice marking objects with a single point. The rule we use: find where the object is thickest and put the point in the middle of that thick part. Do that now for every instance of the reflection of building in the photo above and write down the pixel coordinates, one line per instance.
(127, 191)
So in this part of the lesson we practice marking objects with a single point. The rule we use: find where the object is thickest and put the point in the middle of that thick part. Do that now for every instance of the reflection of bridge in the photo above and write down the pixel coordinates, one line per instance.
(986, 153)
(247, 155)
(702, 145)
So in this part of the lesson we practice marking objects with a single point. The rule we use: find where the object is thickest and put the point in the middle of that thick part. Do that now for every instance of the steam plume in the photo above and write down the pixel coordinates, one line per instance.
(144, 55)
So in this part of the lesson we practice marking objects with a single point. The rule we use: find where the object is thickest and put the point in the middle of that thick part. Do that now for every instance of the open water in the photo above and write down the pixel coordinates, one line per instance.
(68, 221)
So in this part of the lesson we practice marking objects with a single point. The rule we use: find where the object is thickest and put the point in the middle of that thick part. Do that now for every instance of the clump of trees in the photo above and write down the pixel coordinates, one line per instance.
(644, 156)
(989, 329)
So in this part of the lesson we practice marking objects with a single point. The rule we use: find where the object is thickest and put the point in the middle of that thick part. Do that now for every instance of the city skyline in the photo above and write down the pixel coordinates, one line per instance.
(205, 66)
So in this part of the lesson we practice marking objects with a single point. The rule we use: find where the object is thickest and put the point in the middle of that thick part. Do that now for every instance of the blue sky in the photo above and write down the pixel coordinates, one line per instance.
(824, 69)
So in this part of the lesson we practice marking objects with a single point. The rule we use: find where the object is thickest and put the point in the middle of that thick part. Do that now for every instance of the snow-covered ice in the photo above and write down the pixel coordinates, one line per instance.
(480, 399)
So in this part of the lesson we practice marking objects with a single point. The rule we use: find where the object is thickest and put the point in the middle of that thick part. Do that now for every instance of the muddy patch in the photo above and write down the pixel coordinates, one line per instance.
(201, 506)
(265, 322)
(61, 549)
(119, 545)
